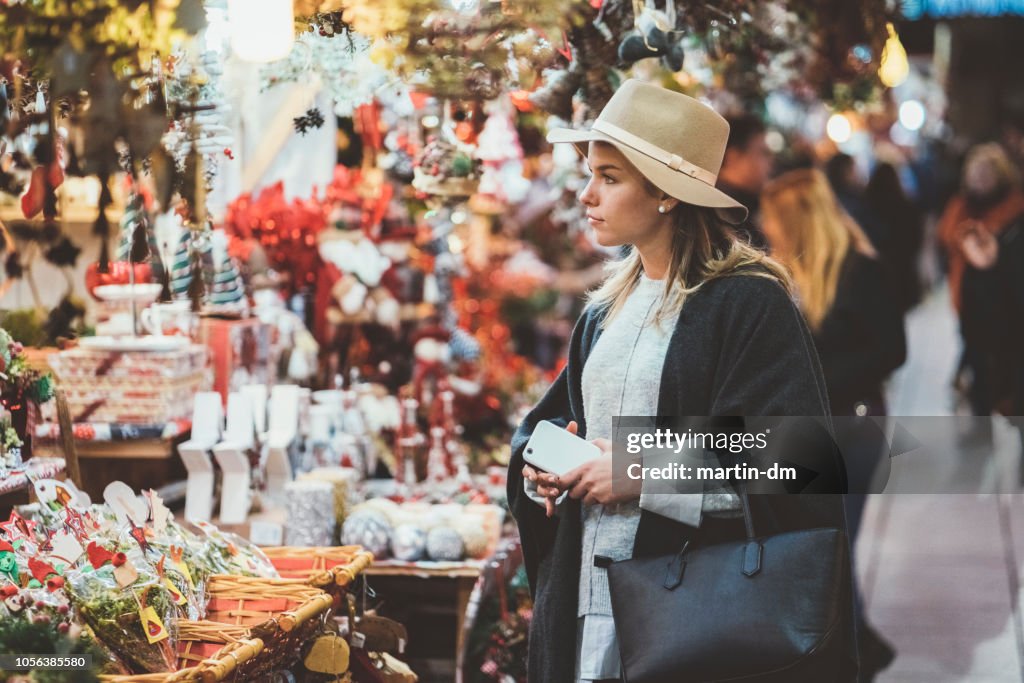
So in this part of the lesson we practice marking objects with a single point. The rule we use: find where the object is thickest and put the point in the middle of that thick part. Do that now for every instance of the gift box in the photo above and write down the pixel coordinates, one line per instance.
(131, 387)
(240, 352)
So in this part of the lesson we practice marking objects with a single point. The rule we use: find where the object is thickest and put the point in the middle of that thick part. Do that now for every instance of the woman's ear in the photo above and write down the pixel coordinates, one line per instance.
(666, 203)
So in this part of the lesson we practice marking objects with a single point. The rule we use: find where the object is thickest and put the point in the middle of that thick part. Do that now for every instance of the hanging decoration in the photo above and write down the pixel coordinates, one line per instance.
(825, 50)
(340, 58)
(452, 49)
(287, 231)
(446, 168)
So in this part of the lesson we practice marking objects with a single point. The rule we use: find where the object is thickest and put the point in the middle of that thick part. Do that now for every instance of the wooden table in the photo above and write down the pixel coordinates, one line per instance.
(420, 595)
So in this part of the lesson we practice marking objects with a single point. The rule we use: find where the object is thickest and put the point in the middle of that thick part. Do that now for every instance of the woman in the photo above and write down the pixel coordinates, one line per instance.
(905, 226)
(991, 200)
(843, 289)
(691, 322)
(847, 299)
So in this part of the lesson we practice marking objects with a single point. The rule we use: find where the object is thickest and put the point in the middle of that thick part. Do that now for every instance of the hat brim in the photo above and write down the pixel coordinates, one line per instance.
(673, 183)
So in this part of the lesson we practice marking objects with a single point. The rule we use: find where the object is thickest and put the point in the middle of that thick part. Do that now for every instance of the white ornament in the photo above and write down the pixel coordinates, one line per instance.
(444, 544)
(409, 543)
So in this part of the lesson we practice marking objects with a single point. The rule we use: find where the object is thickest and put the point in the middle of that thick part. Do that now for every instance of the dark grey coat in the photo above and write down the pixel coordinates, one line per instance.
(740, 347)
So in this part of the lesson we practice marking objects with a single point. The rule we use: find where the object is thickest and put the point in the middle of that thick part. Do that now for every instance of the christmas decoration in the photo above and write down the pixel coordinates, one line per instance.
(446, 168)
(409, 543)
(370, 529)
(311, 517)
(453, 50)
(312, 119)
(339, 57)
(445, 544)
(287, 230)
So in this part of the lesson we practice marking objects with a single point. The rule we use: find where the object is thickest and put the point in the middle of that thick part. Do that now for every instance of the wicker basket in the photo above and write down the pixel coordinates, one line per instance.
(322, 567)
(221, 667)
(246, 601)
(254, 626)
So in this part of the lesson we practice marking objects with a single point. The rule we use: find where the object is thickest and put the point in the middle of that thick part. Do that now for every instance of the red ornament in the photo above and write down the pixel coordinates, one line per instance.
(32, 200)
(98, 555)
(40, 570)
(8, 590)
(55, 583)
(119, 275)
(118, 559)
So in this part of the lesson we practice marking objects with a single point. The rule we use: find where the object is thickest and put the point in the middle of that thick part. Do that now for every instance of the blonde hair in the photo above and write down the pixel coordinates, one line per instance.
(993, 154)
(811, 233)
(704, 248)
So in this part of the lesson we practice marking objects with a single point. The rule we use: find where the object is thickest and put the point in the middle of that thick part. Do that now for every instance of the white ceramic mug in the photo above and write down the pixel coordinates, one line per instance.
(172, 317)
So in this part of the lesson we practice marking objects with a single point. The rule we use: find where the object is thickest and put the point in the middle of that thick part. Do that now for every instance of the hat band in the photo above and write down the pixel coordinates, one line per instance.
(673, 161)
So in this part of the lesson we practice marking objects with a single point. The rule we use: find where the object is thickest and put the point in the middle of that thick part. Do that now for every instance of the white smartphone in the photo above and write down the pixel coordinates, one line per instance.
(554, 449)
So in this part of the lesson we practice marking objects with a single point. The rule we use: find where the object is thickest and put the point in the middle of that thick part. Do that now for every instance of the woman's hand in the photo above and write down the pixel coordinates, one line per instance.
(547, 483)
(592, 481)
(980, 248)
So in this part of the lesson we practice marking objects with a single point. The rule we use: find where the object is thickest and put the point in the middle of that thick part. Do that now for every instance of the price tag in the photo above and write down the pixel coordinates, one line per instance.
(153, 627)
(176, 595)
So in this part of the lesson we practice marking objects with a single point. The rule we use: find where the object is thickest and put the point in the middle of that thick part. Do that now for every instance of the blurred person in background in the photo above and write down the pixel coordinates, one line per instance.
(841, 287)
(990, 200)
(993, 287)
(745, 170)
(904, 225)
(841, 170)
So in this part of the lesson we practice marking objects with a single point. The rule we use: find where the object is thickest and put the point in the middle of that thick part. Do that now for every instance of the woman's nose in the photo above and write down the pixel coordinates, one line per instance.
(588, 196)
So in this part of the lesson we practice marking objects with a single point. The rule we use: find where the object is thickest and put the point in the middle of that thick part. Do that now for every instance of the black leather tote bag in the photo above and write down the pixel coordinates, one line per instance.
(761, 610)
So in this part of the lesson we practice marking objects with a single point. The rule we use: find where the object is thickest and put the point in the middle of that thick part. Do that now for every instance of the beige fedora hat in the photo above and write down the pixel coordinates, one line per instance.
(673, 140)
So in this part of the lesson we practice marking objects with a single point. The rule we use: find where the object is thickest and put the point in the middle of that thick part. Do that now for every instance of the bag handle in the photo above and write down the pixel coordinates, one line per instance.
(752, 549)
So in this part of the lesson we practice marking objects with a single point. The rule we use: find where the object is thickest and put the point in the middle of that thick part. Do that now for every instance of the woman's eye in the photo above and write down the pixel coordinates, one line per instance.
(609, 179)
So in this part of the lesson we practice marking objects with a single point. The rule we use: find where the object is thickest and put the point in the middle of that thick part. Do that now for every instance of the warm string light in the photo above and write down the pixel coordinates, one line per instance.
(894, 67)
(261, 30)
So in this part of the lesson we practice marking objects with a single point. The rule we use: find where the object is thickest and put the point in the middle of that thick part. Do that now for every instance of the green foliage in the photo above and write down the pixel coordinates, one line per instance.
(26, 326)
(20, 636)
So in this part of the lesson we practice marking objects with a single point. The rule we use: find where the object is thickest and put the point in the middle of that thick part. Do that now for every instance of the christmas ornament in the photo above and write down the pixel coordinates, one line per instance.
(312, 119)
(447, 169)
(8, 562)
(409, 543)
(17, 528)
(445, 544)
(474, 537)
(311, 519)
(369, 529)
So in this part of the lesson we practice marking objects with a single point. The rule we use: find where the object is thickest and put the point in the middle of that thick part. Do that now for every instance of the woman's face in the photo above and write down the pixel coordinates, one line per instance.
(981, 178)
(621, 207)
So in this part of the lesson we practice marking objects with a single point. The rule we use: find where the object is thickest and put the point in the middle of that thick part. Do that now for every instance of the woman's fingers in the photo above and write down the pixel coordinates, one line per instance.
(570, 478)
(549, 491)
(549, 507)
(572, 427)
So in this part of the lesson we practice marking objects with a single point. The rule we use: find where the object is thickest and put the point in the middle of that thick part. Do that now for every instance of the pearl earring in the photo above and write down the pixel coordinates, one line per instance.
(661, 209)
